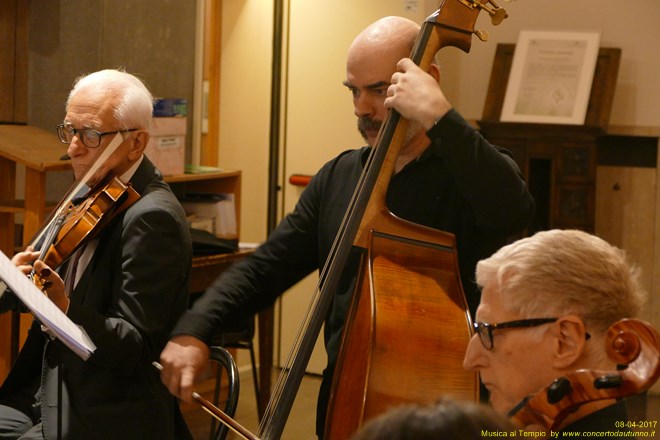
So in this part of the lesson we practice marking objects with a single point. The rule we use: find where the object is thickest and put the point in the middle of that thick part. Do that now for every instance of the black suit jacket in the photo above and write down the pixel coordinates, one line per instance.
(127, 300)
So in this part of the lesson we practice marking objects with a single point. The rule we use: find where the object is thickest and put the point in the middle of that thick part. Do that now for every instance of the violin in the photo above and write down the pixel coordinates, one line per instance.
(632, 344)
(75, 221)
(81, 223)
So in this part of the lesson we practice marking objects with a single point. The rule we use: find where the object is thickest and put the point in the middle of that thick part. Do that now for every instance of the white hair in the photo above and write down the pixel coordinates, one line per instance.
(562, 272)
(134, 102)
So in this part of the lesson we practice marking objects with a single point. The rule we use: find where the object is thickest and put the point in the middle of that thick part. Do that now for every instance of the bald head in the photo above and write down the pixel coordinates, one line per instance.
(372, 59)
(390, 37)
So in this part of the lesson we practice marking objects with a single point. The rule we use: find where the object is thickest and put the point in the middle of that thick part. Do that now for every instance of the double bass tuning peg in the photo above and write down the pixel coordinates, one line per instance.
(482, 35)
(497, 14)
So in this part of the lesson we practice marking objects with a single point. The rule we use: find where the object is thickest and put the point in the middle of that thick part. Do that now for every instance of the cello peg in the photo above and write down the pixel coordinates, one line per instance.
(559, 389)
(608, 381)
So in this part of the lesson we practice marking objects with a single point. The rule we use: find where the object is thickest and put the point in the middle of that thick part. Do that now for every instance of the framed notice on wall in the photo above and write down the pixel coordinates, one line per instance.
(551, 77)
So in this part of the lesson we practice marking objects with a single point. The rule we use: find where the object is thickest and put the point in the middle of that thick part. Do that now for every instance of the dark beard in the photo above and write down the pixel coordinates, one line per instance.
(366, 123)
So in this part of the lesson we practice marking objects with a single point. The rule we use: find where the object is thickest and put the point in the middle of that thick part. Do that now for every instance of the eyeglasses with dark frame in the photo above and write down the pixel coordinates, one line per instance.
(89, 137)
(485, 330)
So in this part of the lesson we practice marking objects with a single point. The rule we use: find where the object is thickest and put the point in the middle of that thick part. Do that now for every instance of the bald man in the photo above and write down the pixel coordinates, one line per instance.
(447, 177)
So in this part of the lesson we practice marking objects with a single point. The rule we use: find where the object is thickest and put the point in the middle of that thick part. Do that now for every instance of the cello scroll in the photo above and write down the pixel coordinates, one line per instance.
(632, 343)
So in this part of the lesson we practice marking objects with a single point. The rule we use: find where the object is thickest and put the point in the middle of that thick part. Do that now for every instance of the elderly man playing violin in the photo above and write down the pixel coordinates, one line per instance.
(546, 306)
(126, 287)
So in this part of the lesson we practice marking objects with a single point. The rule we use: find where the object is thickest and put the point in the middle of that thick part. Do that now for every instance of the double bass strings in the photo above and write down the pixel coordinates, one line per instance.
(291, 375)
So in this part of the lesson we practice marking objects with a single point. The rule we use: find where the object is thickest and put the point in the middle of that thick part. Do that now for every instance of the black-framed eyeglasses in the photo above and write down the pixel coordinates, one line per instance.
(485, 330)
(89, 137)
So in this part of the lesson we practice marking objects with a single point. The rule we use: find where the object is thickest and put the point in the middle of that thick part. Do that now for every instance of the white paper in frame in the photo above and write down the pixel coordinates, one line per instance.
(551, 76)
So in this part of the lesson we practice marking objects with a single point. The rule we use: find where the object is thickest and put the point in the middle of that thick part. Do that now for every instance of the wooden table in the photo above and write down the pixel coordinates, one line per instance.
(40, 151)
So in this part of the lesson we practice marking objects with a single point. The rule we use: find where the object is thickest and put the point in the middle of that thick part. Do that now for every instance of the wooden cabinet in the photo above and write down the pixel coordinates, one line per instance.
(559, 161)
(559, 164)
(207, 268)
(216, 182)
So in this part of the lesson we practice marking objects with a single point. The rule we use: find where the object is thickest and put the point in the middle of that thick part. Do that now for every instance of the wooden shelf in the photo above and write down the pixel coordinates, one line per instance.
(202, 176)
(228, 182)
(12, 206)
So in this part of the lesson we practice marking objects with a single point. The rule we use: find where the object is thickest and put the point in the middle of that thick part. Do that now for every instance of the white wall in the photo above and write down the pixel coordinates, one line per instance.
(631, 26)
(246, 61)
(245, 105)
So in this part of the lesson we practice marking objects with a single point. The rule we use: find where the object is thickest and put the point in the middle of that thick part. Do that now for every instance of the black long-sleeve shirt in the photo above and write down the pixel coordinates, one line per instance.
(461, 184)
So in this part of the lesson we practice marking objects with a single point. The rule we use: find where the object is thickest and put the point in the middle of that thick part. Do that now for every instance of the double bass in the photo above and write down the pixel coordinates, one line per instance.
(409, 326)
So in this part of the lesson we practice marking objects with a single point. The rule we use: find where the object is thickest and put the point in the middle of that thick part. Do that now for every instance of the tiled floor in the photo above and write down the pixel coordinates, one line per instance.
(301, 421)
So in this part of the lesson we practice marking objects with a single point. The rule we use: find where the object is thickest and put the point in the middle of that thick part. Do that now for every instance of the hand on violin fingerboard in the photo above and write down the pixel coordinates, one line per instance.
(52, 285)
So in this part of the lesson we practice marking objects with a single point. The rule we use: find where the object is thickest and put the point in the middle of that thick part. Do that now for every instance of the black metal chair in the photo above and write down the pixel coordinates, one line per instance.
(242, 337)
(225, 363)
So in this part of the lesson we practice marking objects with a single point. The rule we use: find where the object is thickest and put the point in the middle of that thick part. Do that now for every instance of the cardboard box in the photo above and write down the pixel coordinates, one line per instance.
(166, 148)
(218, 207)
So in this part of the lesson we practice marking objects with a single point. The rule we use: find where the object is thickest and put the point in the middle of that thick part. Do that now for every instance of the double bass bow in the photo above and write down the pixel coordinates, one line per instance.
(633, 344)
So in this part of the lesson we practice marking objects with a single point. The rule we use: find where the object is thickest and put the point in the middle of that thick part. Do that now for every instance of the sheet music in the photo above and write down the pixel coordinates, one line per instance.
(43, 309)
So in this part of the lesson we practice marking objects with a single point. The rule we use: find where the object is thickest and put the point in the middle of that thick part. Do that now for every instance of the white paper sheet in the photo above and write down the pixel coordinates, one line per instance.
(43, 309)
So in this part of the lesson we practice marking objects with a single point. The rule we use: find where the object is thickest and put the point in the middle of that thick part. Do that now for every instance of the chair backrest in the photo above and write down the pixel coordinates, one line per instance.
(227, 363)
(239, 335)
